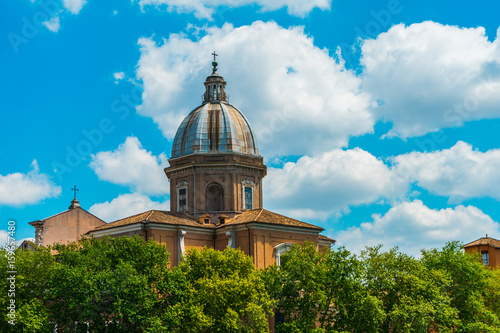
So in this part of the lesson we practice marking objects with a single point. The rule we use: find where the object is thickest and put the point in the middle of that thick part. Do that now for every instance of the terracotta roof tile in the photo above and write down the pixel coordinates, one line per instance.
(155, 216)
(485, 241)
(324, 238)
(265, 216)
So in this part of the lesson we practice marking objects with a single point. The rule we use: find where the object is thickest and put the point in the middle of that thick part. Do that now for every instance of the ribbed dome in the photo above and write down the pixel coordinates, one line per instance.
(215, 127)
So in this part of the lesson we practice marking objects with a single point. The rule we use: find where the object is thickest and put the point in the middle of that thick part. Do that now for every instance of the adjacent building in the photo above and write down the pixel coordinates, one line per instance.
(65, 227)
(488, 247)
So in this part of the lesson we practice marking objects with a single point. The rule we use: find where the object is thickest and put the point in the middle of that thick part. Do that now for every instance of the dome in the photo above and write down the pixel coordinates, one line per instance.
(215, 126)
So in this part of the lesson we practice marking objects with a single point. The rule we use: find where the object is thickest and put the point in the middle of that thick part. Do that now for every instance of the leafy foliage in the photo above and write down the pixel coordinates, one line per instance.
(322, 292)
(125, 284)
(473, 291)
(413, 297)
(225, 293)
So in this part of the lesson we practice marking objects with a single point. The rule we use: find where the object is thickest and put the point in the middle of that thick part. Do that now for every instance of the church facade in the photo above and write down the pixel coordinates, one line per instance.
(215, 174)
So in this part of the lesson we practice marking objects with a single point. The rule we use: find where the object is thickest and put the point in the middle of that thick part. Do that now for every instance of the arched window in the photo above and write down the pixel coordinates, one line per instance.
(281, 249)
(215, 91)
(214, 198)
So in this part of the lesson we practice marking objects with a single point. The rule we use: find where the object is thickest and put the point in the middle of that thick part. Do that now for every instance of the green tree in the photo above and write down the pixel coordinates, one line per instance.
(322, 292)
(473, 290)
(414, 297)
(225, 293)
(109, 284)
(33, 271)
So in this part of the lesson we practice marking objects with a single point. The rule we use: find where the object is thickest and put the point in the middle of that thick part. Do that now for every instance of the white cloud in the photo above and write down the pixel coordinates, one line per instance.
(298, 99)
(53, 24)
(126, 205)
(412, 226)
(314, 187)
(56, 10)
(206, 9)
(133, 166)
(459, 172)
(22, 189)
(74, 6)
(430, 76)
(118, 76)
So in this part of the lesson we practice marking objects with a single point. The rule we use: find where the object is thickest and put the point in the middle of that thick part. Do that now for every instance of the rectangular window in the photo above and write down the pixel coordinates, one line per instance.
(182, 200)
(248, 198)
(486, 258)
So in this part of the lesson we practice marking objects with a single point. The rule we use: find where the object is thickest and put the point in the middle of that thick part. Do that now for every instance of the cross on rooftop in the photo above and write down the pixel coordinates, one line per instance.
(74, 189)
(215, 55)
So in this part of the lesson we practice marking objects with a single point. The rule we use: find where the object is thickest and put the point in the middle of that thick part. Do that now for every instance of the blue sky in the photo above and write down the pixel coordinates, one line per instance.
(378, 120)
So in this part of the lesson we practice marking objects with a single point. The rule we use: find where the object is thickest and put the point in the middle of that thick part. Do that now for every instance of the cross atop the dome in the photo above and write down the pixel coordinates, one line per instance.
(214, 63)
(74, 189)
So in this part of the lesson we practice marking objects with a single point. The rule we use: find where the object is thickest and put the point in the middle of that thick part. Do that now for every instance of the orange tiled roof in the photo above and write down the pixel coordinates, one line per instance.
(156, 216)
(264, 216)
(324, 238)
(173, 218)
(485, 241)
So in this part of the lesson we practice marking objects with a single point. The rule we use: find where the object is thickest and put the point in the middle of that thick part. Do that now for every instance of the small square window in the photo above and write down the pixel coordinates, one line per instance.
(206, 221)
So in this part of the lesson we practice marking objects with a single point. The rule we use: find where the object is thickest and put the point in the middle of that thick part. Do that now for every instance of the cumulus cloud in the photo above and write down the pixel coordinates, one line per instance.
(126, 205)
(412, 226)
(118, 76)
(459, 172)
(429, 76)
(317, 186)
(204, 9)
(53, 24)
(74, 6)
(18, 189)
(133, 166)
(58, 9)
(298, 99)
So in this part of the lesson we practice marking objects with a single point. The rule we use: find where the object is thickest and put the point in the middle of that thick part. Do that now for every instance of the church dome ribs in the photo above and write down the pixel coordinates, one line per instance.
(215, 126)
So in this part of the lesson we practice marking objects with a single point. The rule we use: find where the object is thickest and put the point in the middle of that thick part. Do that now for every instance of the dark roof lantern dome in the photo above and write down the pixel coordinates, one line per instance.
(215, 126)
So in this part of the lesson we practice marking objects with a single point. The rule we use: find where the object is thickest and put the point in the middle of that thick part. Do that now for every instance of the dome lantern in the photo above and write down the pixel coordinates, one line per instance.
(215, 86)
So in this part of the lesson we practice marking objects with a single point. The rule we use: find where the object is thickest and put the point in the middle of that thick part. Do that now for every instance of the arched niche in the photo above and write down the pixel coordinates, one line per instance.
(215, 197)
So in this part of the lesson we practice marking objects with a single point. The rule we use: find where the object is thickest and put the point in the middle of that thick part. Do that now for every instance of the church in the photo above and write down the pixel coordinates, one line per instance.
(216, 177)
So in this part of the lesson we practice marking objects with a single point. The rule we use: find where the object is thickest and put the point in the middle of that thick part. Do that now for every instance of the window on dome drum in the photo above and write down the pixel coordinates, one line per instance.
(215, 91)
(486, 258)
(182, 199)
(248, 197)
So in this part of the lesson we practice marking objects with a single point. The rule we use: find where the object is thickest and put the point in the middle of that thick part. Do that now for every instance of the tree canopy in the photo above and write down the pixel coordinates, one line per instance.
(125, 284)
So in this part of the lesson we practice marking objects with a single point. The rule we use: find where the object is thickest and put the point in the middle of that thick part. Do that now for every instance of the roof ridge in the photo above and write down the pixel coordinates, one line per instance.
(257, 217)
(150, 213)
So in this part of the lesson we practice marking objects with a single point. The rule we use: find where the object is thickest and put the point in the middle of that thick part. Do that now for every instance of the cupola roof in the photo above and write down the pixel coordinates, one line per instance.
(215, 126)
